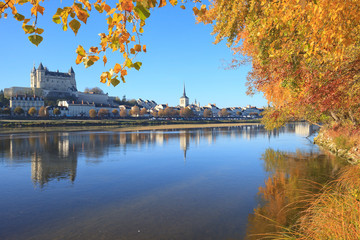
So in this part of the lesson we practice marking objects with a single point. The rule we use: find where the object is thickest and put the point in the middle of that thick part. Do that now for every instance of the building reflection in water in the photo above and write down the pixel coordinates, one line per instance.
(54, 156)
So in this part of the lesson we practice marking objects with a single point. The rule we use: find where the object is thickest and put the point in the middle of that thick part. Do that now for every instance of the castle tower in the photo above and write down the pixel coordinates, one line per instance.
(184, 100)
(32, 77)
(53, 81)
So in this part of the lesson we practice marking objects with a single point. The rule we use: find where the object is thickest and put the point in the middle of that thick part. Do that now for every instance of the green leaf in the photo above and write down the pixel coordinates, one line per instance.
(143, 12)
(99, 8)
(56, 19)
(35, 39)
(21, 2)
(75, 25)
(59, 11)
(29, 29)
(88, 63)
(114, 81)
(19, 17)
(137, 65)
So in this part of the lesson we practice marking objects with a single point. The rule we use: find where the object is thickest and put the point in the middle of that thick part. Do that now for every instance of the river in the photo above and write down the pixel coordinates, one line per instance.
(211, 183)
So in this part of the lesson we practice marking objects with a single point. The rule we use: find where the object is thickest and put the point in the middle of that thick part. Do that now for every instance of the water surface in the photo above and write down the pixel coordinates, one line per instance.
(211, 183)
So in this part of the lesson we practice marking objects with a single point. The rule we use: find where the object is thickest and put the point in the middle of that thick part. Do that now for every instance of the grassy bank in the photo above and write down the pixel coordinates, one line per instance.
(11, 126)
(333, 212)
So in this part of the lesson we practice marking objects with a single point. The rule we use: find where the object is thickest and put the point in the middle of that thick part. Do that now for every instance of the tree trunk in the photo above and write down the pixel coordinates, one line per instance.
(333, 115)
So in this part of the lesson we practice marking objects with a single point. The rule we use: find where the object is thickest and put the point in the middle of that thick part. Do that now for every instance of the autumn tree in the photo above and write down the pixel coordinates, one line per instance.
(95, 90)
(154, 113)
(170, 112)
(18, 111)
(143, 111)
(304, 55)
(135, 111)
(207, 113)
(32, 111)
(102, 113)
(223, 113)
(123, 112)
(161, 113)
(186, 112)
(115, 112)
(92, 113)
(43, 112)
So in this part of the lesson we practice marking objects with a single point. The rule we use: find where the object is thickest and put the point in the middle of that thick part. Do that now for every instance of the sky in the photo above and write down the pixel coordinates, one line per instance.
(179, 52)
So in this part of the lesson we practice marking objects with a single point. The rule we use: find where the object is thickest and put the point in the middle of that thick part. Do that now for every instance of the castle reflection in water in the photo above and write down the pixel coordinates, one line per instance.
(54, 156)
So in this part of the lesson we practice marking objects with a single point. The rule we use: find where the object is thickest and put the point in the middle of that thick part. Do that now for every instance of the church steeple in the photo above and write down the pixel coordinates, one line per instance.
(184, 94)
(184, 100)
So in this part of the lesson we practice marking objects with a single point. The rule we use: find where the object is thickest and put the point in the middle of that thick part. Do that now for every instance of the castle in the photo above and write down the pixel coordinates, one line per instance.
(56, 85)
(52, 81)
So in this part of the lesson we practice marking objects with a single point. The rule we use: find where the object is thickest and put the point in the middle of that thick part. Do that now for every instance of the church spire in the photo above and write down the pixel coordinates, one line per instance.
(184, 94)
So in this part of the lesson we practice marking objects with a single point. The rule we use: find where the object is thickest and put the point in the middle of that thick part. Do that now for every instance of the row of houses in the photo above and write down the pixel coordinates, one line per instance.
(82, 108)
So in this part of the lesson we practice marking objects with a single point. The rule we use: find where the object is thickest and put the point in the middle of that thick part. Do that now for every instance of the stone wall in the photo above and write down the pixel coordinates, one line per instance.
(323, 140)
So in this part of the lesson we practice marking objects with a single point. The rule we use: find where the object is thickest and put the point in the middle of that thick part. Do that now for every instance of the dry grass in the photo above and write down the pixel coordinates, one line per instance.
(332, 214)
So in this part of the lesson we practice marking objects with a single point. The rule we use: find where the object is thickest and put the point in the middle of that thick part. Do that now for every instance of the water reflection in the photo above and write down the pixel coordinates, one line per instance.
(54, 155)
(294, 176)
(175, 184)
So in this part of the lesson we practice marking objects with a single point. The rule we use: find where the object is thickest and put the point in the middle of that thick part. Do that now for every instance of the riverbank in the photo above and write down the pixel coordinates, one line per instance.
(334, 212)
(343, 141)
(18, 126)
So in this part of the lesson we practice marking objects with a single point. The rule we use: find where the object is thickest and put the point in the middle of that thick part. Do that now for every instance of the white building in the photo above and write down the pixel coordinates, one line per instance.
(81, 109)
(53, 81)
(148, 104)
(184, 100)
(213, 108)
(249, 110)
(160, 107)
(26, 102)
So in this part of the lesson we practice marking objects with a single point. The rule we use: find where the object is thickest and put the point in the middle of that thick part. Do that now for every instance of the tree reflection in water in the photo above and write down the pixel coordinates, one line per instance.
(293, 180)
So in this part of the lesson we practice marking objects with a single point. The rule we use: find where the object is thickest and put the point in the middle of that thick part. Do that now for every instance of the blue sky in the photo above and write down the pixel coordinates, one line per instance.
(178, 51)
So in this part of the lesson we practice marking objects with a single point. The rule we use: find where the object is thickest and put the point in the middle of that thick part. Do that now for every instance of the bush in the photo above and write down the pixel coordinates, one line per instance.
(32, 111)
(92, 113)
(18, 110)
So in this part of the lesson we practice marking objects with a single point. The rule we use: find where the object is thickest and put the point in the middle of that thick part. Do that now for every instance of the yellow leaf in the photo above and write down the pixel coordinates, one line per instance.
(144, 48)
(117, 68)
(78, 59)
(104, 59)
(93, 58)
(173, 2)
(133, 38)
(162, 3)
(103, 77)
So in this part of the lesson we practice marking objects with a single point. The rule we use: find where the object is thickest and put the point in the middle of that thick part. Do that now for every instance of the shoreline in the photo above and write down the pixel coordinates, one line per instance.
(116, 126)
